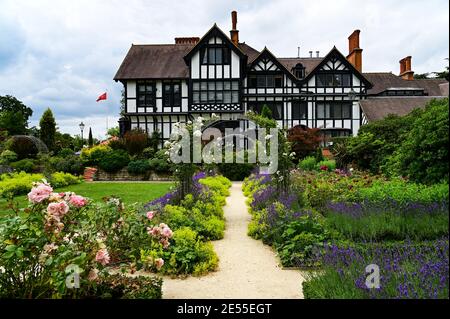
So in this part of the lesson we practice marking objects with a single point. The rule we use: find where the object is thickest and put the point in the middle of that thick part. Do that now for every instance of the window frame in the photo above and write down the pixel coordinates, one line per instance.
(149, 97)
(225, 55)
(228, 92)
(171, 98)
(300, 104)
(332, 76)
(330, 110)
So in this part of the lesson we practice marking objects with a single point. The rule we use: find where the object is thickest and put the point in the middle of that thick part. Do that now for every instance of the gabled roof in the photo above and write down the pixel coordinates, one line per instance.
(377, 108)
(336, 52)
(309, 63)
(214, 31)
(384, 80)
(266, 53)
(155, 61)
(250, 52)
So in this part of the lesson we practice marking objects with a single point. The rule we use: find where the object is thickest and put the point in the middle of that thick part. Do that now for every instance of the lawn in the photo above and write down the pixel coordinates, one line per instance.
(128, 192)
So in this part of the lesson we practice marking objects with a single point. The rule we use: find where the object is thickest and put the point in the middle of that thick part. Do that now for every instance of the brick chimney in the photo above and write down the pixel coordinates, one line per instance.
(190, 40)
(234, 33)
(354, 51)
(405, 69)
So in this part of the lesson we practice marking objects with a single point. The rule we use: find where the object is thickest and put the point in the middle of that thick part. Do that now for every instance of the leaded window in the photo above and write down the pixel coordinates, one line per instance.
(171, 94)
(333, 79)
(215, 92)
(146, 94)
(299, 110)
(333, 110)
(215, 55)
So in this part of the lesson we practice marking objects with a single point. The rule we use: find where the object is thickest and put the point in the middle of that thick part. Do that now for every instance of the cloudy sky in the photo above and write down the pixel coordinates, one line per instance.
(62, 54)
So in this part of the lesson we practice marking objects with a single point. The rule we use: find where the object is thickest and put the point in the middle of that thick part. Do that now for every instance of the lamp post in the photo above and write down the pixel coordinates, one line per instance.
(82, 129)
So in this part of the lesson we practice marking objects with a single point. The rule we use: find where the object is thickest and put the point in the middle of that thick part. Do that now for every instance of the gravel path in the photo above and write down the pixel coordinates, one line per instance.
(247, 267)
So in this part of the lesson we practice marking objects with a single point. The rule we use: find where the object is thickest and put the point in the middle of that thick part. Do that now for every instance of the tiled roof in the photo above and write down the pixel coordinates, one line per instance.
(385, 80)
(377, 108)
(308, 63)
(158, 61)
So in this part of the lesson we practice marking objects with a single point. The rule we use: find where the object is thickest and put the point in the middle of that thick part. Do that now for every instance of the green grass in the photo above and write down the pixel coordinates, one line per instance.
(128, 192)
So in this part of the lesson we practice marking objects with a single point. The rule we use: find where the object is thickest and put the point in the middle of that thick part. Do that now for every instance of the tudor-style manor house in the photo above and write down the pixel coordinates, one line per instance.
(169, 83)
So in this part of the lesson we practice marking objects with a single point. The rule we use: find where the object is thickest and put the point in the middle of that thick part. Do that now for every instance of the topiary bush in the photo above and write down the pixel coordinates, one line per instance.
(138, 167)
(114, 160)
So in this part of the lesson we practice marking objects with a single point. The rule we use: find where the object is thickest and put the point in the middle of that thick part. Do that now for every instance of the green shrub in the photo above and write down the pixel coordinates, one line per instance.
(189, 255)
(66, 152)
(7, 157)
(402, 192)
(138, 167)
(329, 165)
(70, 164)
(93, 155)
(60, 179)
(160, 162)
(117, 144)
(24, 165)
(218, 184)
(149, 152)
(308, 163)
(17, 183)
(114, 161)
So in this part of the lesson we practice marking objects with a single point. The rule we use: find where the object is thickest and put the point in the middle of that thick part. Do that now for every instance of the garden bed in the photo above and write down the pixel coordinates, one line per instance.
(341, 222)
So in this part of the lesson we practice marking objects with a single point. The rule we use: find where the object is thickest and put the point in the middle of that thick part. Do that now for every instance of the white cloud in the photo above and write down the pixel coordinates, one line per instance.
(63, 54)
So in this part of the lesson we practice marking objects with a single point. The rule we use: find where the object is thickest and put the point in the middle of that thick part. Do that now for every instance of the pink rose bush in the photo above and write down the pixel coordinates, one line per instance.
(150, 215)
(102, 256)
(77, 201)
(40, 192)
(162, 233)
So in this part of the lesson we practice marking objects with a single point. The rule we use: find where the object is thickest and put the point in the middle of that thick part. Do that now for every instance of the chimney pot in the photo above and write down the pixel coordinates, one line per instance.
(234, 33)
(355, 52)
(317, 53)
(405, 68)
(187, 40)
(310, 54)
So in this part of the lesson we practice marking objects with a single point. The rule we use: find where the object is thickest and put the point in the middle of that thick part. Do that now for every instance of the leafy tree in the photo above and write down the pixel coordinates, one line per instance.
(423, 156)
(304, 141)
(63, 140)
(418, 76)
(14, 115)
(444, 74)
(113, 131)
(90, 139)
(48, 129)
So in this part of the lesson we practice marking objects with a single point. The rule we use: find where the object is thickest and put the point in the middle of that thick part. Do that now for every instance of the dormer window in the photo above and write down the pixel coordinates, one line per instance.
(299, 71)
(215, 55)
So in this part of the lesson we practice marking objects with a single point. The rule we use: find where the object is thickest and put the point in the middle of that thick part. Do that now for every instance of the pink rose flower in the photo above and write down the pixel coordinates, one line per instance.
(39, 193)
(77, 201)
(150, 214)
(102, 257)
(159, 262)
(58, 209)
(93, 274)
(167, 232)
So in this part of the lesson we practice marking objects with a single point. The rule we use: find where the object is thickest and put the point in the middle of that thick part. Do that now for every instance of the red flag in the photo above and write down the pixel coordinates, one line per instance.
(101, 97)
